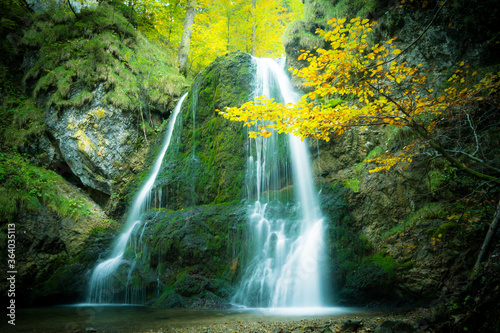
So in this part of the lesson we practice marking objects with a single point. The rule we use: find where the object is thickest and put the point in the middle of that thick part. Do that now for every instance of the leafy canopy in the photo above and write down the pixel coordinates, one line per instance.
(375, 88)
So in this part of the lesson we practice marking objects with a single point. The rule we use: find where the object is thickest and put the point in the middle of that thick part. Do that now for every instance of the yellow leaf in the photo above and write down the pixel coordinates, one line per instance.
(462, 63)
(396, 51)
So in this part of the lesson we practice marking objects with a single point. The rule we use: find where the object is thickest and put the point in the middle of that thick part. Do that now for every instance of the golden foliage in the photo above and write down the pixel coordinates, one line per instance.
(380, 89)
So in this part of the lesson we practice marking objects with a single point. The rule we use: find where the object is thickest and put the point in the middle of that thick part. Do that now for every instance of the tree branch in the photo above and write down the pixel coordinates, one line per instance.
(71, 7)
(489, 236)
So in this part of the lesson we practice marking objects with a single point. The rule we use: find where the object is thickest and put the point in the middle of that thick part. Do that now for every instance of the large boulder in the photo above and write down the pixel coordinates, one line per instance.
(96, 141)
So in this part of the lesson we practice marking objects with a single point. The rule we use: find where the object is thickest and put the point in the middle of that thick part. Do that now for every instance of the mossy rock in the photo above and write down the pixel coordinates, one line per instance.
(206, 160)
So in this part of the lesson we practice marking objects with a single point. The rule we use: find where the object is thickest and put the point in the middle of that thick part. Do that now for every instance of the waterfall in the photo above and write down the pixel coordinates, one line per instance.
(286, 269)
(101, 288)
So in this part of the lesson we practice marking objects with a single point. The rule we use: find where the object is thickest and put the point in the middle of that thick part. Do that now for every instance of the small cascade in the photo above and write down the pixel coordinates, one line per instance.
(101, 288)
(289, 250)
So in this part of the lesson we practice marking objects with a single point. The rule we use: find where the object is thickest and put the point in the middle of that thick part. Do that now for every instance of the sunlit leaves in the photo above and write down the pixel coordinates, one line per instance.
(223, 26)
(382, 89)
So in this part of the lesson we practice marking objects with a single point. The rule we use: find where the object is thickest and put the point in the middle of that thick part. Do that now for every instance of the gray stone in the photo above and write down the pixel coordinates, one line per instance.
(96, 141)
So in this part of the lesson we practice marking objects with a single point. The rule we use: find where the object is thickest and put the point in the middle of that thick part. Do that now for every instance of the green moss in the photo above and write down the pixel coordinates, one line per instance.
(27, 187)
(435, 179)
(303, 35)
(21, 121)
(359, 168)
(77, 54)
(374, 153)
(352, 183)
(322, 10)
(371, 280)
(386, 262)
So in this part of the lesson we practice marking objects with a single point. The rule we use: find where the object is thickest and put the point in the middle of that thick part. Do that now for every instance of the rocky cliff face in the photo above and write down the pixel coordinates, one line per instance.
(102, 98)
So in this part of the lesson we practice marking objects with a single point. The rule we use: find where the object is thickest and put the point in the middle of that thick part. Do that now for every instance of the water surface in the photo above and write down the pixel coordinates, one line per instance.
(134, 318)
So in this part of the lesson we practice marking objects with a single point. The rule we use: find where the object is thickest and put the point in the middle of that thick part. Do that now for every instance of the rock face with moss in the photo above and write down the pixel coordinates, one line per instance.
(206, 163)
(96, 141)
(56, 225)
(190, 257)
(83, 103)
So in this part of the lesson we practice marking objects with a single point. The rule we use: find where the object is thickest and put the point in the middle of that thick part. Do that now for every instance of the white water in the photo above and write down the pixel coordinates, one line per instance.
(286, 271)
(101, 283)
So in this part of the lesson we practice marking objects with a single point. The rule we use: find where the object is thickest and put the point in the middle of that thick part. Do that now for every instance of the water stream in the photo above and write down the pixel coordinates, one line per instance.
(102, 281)
(286, 269)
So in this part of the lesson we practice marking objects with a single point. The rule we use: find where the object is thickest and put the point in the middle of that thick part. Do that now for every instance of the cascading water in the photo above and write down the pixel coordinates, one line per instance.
(286, 270)
(101, 283)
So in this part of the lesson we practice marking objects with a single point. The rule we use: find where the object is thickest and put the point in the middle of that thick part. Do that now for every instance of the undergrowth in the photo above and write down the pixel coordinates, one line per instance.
(27, 187)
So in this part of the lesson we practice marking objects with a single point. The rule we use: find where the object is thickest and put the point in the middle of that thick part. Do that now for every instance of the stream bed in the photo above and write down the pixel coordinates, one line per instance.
(130, 318)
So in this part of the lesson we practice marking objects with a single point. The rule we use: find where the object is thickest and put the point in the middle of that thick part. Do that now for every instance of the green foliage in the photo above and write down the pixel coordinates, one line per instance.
(352, 183)
(20, 121)
(436, 179)
(77, 54)
(12, 13)
(359, 168)
(26, 187)
(323, 10)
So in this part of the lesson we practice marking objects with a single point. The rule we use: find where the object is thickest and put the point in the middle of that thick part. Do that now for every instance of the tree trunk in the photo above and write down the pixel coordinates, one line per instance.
(186, 36)
(254, 27)
(488, 238)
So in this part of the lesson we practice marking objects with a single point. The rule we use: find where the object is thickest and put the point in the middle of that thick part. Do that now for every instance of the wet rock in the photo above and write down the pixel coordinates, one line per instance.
(390, 326)
(351, 326)
(209, 167)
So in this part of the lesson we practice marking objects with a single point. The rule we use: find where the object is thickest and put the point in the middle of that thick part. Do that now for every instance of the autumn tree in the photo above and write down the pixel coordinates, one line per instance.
(355, 85)
(223, 26)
